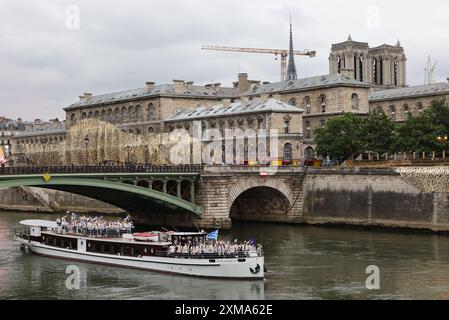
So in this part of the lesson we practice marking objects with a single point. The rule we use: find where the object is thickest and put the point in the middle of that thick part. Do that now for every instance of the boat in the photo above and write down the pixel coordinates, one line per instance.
(167, 252)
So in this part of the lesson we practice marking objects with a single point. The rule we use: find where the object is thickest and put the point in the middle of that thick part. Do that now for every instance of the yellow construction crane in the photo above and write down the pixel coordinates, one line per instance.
(276, 52)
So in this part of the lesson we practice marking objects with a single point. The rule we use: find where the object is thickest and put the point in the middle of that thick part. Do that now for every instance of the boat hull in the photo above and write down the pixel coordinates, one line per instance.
(232, 268)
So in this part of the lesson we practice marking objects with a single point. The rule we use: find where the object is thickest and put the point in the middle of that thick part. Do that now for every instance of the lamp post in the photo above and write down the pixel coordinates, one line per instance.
(443, 140)
(44, 142)
(128, 149)
(86, 142)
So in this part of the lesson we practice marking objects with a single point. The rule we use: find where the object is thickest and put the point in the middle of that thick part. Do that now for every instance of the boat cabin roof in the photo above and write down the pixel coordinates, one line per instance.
(188, 234)
(39, 223)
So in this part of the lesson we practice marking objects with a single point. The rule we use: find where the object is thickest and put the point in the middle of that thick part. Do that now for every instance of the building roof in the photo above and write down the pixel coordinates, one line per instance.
(157, 90)
(54, 129)
(236, 108)
(410, 92)
(328, 80)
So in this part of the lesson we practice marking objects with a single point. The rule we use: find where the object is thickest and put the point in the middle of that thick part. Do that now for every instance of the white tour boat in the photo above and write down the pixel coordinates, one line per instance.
(155, 251)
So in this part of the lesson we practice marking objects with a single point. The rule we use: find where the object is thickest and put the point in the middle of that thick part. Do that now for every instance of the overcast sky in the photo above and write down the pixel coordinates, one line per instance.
(47, 59)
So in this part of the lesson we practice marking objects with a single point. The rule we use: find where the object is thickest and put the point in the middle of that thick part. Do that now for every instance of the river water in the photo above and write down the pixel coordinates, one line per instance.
(303, 263)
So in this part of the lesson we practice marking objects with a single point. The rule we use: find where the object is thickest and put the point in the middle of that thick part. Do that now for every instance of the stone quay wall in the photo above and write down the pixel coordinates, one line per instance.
(374, 197)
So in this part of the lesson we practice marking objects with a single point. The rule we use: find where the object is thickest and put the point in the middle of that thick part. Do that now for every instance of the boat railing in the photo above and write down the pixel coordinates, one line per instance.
(212, 256)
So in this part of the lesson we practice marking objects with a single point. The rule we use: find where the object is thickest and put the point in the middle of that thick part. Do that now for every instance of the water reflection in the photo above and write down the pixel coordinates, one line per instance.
(303, 263)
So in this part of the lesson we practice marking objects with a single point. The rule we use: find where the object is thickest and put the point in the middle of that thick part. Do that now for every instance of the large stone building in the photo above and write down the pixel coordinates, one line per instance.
(362, 79)
(382, 67)
(256, 118)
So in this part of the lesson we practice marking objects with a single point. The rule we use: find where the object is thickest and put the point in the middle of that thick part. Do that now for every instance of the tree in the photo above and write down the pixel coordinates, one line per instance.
(377, 133)
(419, 134)
(340, 138)
(416, 135)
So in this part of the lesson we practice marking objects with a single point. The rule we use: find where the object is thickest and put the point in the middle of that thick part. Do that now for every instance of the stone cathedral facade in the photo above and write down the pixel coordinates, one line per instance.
(382, 67)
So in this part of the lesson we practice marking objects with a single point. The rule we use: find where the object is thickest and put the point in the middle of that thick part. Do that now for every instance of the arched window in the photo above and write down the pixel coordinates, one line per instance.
(91, 114)
(150, 130)
(308, 130)
(286, 126)
(338, 64)
(323, 123)
(103, 114)
(259, 123)
(354, 101)
(131, 114)
(84, 115)
(110, 114)
(393, 112)
(97, 114)
(139, 113)
(395, 71)
(73, 119)
(361, 68)
(151, 112)
(419, 107)
(123, 114)
(117, 114)
(309, 153)
(322, 103)
(292, 102)
(406, 110)
(374, 66)
(307, 105)
(288, 152)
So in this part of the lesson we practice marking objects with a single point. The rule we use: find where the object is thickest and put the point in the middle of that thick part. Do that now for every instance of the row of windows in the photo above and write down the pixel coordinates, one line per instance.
(321, 103)
(406, 110)
(131, 113)
(42, 140)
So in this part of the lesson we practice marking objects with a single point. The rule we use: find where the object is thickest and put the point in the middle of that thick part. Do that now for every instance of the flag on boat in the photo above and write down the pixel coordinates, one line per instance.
(213, 235)
(2, 156)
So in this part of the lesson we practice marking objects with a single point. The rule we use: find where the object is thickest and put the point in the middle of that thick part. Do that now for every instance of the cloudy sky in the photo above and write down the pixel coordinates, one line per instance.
(52, 51)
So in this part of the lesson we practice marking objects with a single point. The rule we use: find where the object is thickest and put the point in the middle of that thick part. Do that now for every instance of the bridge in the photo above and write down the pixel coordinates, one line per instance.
(176, 195)
(162, 189)
(215, 196)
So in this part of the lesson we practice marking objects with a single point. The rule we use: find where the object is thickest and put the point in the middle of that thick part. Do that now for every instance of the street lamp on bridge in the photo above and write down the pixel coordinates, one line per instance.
(443, 140)
(44, 142)
(86, 142)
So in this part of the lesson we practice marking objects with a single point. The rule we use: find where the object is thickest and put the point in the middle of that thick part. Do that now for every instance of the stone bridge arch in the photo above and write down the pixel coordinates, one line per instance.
(260, 199)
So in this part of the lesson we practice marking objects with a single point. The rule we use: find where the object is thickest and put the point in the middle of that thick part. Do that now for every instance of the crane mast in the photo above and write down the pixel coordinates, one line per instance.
(277, 52)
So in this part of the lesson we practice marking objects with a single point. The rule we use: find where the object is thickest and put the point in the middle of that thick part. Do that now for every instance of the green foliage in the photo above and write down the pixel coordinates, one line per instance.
(419, 134)
(349, 135)
(377, 133)
(340, 138)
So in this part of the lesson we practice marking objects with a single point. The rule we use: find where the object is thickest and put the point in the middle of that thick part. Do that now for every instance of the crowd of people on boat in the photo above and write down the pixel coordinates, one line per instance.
(94, 226)
(220, 248)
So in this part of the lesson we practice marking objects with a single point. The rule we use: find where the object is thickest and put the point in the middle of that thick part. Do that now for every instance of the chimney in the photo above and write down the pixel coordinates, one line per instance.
(149, 85)
(189, 85)
(179, 86)
(87, 95)
(243, 84)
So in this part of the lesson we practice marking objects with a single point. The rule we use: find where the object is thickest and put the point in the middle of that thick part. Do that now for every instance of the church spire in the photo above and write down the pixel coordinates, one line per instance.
(291, 70)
